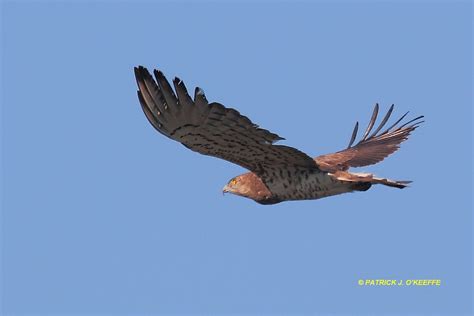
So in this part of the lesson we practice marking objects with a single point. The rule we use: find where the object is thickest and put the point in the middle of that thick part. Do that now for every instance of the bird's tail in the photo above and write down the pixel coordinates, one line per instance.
(363, 181)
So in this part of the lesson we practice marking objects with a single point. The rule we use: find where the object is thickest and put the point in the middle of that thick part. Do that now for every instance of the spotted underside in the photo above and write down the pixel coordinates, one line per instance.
(306, 184)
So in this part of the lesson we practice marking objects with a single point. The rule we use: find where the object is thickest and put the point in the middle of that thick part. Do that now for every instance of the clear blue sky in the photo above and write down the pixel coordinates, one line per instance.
(101, 214)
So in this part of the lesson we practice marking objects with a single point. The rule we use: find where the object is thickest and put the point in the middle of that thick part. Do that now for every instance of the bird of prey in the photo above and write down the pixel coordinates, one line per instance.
(277, 173)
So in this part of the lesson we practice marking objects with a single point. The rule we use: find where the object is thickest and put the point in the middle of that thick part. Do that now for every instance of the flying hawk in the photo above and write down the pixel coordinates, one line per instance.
(277, 173)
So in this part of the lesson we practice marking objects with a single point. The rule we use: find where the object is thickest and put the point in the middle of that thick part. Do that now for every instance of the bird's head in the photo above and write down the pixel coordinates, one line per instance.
(238, 186)
(250, 186)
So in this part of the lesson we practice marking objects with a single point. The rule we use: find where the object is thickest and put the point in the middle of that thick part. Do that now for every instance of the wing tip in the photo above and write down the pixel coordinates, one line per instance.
(158, 74)
(140, 70)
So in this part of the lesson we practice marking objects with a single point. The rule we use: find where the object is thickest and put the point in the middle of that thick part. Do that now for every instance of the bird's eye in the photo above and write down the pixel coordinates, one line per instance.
(233, 182)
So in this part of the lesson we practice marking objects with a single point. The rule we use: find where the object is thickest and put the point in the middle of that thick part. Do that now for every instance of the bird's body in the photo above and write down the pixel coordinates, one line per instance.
(277, 172)
(305, 185)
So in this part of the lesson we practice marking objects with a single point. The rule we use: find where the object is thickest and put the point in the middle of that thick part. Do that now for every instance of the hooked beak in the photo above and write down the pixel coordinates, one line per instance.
(225, 189)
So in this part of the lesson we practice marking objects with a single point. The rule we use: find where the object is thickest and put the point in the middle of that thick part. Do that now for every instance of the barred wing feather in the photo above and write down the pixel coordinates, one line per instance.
(370, 149)
(214, 130)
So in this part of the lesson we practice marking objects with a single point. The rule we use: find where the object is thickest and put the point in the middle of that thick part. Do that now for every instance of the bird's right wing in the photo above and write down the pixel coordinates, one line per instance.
(370, 149)
(214, 130)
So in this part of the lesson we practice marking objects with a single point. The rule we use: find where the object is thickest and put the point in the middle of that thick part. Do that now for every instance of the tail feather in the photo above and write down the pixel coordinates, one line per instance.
(363, 181)
(391, 183)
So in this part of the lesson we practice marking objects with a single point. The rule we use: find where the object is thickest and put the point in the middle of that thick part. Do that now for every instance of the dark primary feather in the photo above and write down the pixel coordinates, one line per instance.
(370, 149)
(214, 130)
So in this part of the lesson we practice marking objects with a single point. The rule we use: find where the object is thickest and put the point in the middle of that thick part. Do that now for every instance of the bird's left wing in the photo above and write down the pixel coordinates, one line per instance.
(370, 149)
(214, 130)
